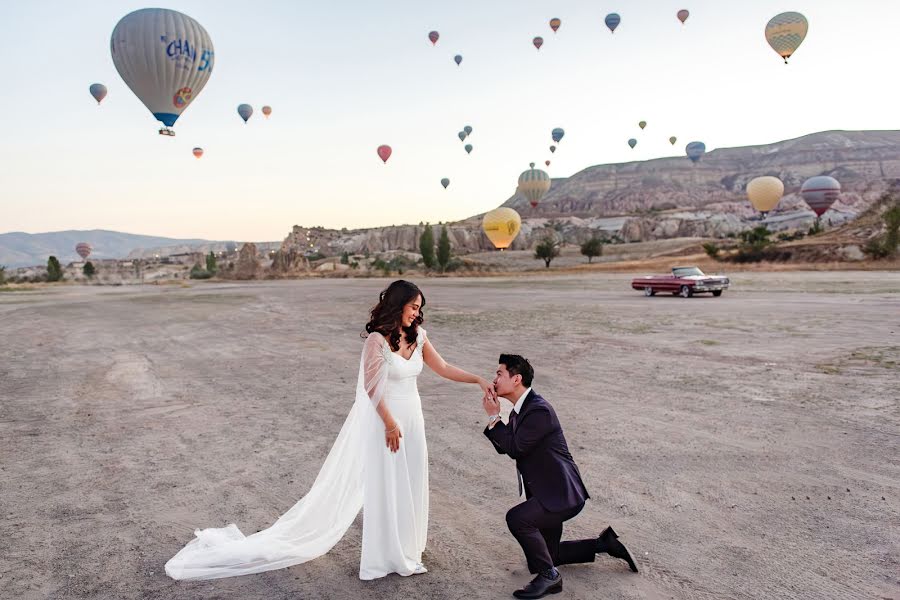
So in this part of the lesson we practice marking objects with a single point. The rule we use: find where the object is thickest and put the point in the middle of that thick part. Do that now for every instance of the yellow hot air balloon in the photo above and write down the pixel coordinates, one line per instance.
(502, 225)
(764, 193)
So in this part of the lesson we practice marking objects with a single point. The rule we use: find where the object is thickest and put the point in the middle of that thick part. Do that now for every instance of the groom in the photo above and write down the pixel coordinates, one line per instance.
(552, 484)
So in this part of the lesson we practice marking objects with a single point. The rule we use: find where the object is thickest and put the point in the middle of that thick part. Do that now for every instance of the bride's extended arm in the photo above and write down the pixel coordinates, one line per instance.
(440, 366)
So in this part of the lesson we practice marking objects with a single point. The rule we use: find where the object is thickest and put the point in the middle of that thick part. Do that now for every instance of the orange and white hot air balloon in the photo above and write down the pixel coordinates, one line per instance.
(198, 152)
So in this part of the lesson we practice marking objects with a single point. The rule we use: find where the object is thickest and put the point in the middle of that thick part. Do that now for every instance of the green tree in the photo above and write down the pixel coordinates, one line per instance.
(198, 272)
(89, 270)
(443, 250)
(345, 258)
(426, 246)
(591, 248)
(54, 269)
(211, 266)
(2, 275)
(711, 249)
(547, 250)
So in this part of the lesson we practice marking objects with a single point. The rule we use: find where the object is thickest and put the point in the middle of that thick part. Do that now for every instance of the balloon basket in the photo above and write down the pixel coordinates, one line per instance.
(167, 132)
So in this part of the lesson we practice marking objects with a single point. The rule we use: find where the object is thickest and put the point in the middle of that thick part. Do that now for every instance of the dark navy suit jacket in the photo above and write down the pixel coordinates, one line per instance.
(542, 456)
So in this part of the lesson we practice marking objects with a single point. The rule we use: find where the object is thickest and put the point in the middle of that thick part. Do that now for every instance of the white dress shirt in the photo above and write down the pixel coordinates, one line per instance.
(518, 405)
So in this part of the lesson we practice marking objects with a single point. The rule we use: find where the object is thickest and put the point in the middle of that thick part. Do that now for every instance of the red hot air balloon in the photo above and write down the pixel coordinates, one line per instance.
(384, 152)
(434, 36)
(83, 249)
(683, 15)
(820, 193)
(538, 42)
(554, 24)
(198, 152)
(267, 110)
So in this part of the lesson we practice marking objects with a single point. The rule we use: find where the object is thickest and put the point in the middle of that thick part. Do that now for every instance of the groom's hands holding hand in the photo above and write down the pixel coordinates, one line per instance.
(492, 407)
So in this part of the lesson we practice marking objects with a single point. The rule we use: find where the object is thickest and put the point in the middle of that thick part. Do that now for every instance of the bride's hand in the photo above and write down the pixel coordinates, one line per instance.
(392, 437)
(488, 389)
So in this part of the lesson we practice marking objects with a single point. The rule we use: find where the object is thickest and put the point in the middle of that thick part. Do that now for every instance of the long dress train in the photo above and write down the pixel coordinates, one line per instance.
(359, 472)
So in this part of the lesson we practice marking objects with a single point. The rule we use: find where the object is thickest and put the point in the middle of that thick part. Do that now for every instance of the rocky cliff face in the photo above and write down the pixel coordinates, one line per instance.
(665, 198)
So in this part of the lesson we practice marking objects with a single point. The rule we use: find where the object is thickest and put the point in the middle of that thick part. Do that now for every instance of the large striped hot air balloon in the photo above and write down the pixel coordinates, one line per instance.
(83, 249)
(785, 33)
(820, 193)
(501, 226)
(434, 36)
(165, 57)
(695, 151)
(612, 21)
(683, 15)
(764, 193)
(384, 152)
(245, 111)
(533, 184)
(554, 24)
(98, 91)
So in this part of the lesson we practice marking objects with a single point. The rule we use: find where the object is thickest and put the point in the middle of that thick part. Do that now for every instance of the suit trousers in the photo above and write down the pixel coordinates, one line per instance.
(539, 531)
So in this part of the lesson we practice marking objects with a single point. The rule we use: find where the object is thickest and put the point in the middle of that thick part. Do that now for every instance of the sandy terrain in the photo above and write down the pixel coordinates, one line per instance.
(746, 446)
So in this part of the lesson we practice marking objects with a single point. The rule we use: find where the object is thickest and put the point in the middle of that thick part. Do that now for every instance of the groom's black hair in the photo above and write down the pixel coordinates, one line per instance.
(518, 365)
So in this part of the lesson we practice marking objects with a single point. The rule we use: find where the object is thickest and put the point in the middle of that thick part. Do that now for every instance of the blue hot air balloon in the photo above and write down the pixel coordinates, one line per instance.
(695, 151)
(246, 111)
(612, 21)
(98, 91)
(468, 148)
(632, 142)
(468, 129)
(457, 59)
(557, 134)
(445, 182)
(461, 135)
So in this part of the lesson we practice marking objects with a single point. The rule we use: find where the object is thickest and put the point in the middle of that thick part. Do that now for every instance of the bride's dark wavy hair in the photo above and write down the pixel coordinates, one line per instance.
(385, 317)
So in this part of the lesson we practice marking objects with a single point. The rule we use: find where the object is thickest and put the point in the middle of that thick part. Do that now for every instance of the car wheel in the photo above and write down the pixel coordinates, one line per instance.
(717, 293)
(648, 291)
(685, 291)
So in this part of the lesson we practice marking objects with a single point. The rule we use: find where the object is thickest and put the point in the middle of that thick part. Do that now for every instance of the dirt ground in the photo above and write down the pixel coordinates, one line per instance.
(746, 446)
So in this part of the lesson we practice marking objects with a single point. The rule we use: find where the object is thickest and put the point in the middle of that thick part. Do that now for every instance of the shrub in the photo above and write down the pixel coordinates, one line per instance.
(198, 272)
(2, 275)
(711, 250)
(345, 258)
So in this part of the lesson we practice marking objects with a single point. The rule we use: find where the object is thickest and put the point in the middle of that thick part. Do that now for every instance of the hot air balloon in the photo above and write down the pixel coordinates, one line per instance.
(533, 184)
(98, 91)
(266, 111)
(683, 15)
(165, 57)
(83, 249)
(642, 124)
(632, 142)
(612, 21)
(695, 151)
(457, 59)
(461, 135)
(538, 42)
(445, 182)
(198, 152)
(554, 24)
(764, 193)
(672, 140)
(246, 111)
(468, 129)
(820, 193)
(552, 149)
(501, 226)
(547, 162)
(785, 33)
(434, 36)
(468, 148)
(384, 152)
(557, 134)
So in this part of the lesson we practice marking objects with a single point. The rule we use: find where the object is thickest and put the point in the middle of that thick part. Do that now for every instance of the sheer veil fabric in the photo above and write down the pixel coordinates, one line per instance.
(319, 520)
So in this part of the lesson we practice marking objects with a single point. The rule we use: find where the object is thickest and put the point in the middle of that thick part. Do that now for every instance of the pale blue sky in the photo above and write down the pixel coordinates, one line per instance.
(344, 77)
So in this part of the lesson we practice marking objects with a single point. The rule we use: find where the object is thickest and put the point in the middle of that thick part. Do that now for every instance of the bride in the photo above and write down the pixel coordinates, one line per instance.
(379, 463)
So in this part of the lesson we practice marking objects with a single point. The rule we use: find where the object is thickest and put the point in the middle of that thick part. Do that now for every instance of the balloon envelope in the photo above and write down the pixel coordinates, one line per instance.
(83, 249)
(501, 226)
(785, 33)
(445, 182)
(557, 134)
(468, 129)
(820, 193)
(98, 91)
(642, 124)
(612, 21)
(547, 162)
(468, 148)
(246, 111)
(461, 135)
(554, 24)
(672, 140)
(457, 59)
(765, 192)
(538, 42)
(533, 184)
(267, 110)
(165, 57)
(552, 149)
(198, 152)
(632, 142)
(683, 15)
(434, 36)
(384, 152)
(695, 151)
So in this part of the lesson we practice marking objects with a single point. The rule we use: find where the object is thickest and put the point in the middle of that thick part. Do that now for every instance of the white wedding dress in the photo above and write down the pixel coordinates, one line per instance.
(359, 472)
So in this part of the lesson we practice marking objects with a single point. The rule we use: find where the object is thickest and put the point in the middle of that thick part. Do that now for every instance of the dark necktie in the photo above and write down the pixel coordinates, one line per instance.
(513, 416)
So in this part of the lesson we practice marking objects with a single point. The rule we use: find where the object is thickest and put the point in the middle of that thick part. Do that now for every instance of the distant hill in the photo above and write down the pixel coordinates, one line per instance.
(18, 249)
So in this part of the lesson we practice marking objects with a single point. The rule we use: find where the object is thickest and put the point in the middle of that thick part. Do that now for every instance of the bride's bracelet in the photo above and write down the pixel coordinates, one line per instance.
(392, 430)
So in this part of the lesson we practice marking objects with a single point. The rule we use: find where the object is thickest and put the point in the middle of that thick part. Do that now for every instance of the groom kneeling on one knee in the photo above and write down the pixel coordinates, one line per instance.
(549, 477)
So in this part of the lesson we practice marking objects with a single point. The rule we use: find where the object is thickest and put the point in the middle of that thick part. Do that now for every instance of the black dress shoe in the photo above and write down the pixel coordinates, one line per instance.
(540, 586)
(609, 543)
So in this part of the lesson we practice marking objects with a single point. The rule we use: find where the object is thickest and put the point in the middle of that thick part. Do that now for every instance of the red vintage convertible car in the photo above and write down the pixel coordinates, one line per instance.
(684, 282)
